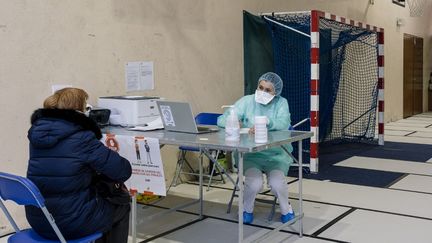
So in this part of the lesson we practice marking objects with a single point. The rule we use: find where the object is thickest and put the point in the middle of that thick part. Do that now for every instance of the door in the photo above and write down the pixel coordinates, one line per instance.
(413, 75)
(430, 92)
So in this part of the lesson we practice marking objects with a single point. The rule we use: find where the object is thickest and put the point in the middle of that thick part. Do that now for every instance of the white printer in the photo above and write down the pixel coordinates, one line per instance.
(130, 110)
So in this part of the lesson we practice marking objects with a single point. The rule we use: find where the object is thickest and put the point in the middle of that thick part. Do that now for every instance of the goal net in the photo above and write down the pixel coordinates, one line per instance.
(348, 74)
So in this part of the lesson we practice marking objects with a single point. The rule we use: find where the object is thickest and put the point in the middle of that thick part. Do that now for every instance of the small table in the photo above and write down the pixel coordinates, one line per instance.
(217, 141)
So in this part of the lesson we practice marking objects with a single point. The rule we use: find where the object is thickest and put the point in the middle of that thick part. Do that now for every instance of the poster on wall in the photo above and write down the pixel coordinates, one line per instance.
(139, 76)
(144, 155)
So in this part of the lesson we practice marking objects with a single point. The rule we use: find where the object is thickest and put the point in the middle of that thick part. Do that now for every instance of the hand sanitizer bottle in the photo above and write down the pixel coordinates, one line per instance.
(232, 126)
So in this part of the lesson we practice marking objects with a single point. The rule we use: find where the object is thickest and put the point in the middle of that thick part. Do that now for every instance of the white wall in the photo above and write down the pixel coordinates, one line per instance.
(196, 46)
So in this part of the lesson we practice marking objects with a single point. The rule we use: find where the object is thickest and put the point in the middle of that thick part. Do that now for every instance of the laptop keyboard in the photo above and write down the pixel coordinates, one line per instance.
(202, 129)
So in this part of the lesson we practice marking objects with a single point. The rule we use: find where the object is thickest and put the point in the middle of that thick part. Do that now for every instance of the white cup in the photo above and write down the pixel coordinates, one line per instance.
(261, 129)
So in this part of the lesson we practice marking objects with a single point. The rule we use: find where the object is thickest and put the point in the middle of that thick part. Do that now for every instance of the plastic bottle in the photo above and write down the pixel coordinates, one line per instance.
(261, 129)
(232, 126)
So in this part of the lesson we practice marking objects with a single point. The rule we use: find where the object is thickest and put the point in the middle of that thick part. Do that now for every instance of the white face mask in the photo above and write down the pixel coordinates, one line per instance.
(88, 109)
(263, 97)
(86, 113)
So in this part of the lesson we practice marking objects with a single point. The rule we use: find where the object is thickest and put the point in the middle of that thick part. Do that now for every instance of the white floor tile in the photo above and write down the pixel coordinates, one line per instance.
(366, 226)
(387, 165)
(397, 132)
(415, 183)
(406, 127)
(402, 139)
(130, 239)
(148, 228)
(421, 134)
(413, 122)
(415, 118)
(316, 214)
(211, 230)
(381, 199)
(424, 114)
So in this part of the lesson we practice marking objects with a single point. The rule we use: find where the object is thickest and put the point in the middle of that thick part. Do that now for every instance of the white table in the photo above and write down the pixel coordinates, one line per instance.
(217, 141)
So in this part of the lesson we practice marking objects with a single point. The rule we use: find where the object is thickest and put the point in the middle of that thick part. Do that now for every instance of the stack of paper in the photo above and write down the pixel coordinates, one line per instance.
(153, 125)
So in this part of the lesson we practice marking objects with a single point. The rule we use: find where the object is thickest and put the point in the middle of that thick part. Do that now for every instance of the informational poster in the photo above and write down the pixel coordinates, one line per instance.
(144, 155)
(139, 76)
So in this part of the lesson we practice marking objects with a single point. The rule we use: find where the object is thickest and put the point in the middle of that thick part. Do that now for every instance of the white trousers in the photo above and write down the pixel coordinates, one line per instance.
(254, 184)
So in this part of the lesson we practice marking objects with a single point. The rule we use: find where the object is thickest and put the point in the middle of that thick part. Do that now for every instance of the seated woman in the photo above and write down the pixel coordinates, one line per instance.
(65, 156)
(274, 162)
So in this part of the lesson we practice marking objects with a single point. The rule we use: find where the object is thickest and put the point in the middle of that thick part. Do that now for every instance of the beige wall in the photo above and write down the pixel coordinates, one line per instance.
(196, 46)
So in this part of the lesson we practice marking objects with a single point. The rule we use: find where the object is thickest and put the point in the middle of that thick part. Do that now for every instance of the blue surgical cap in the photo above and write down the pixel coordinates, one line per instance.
(274, 79)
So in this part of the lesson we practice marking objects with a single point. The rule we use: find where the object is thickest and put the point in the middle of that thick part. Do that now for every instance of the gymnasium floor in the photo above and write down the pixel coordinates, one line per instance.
(362, 194)
(384, 195)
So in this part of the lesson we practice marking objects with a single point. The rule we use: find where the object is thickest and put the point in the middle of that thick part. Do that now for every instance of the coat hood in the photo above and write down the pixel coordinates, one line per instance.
(50, 126)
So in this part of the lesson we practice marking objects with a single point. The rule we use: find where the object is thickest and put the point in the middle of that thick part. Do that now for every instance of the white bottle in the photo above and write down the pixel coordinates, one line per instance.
(232, 126)
(261, 129)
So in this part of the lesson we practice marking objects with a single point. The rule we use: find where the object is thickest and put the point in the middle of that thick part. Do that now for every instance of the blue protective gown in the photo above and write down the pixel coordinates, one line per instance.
(277, 112)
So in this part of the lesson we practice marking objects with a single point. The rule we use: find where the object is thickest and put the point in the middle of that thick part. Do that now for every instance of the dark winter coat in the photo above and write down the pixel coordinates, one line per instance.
(65, 154)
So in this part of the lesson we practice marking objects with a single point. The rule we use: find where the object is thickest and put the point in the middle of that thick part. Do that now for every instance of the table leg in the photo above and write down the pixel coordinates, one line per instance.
(134, 218)
(241, 188)
(201, 186)
(214, 161)
(300, 187)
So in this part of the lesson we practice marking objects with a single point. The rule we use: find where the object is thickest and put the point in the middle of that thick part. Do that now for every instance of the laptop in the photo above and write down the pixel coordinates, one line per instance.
(178, 117)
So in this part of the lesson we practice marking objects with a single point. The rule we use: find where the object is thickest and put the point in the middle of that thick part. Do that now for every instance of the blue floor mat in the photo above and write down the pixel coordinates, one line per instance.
(401, 151)
(331, 154)
(356, 176)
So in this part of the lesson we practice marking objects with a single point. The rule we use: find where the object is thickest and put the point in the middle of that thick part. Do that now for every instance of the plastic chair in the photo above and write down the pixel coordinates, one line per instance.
(200, 119)
(272, 202)
(24, 192)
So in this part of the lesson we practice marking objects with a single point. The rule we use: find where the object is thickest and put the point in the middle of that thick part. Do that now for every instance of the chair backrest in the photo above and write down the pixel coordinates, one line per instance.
(20, 190)
(207, 118)
(298, 124)
(24, 192)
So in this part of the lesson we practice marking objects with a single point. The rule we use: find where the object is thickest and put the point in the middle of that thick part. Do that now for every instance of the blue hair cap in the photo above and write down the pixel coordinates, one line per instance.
(274, 79)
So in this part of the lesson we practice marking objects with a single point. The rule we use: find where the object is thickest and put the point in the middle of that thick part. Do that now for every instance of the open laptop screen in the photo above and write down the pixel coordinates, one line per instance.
(178, 117)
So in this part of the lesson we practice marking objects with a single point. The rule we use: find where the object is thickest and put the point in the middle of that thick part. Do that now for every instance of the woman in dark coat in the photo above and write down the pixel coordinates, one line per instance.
(65, 156)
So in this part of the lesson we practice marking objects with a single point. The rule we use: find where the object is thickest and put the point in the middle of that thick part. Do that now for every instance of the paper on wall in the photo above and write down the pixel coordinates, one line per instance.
(139, 76)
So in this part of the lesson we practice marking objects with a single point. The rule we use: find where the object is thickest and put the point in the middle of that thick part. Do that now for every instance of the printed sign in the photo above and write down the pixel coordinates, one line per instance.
(144, 155)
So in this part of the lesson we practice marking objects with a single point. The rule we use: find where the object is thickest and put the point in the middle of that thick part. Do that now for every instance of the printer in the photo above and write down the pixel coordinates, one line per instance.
(130, 110)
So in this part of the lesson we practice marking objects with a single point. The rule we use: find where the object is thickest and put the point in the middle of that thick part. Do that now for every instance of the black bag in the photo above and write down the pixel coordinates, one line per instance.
(112, 191)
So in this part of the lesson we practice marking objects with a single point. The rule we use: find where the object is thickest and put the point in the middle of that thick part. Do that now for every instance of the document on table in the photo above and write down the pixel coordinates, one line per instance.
(153, 125)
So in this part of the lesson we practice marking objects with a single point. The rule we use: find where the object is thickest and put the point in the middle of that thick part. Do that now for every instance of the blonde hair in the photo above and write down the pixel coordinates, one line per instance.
(67, 98)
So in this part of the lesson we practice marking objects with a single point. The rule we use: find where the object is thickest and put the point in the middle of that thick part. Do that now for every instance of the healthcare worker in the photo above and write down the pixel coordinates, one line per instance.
(274, 162)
